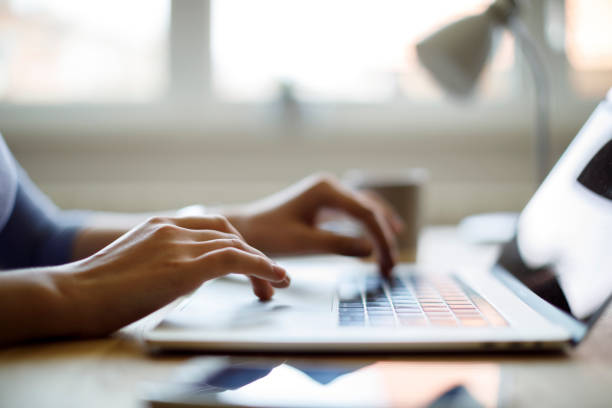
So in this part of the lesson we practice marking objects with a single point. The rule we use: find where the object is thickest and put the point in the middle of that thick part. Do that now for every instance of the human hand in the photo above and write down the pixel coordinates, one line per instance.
(156, 262)
(286, 223)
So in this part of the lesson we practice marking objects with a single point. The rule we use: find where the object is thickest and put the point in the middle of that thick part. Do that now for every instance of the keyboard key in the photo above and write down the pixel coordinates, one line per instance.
(410, 315)
(380, 310)
(374, 304)
(352, 312)
(362, 320)
(350, 309)
(352, 316)
(350, 324)
(380, 316)
(350, 304)
(399, 306)
(378, 298)
(407, 307)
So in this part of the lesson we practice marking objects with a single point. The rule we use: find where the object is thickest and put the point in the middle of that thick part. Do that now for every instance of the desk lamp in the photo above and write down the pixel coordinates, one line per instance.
(455, 56)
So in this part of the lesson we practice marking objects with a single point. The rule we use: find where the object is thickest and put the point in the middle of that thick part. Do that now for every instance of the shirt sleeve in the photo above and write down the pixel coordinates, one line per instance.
(37, 233)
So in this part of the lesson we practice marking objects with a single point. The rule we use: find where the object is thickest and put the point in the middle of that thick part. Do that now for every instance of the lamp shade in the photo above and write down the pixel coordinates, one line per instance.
(456, 54)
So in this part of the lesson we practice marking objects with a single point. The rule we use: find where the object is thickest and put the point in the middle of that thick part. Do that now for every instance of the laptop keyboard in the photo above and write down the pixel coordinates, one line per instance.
(413, 301)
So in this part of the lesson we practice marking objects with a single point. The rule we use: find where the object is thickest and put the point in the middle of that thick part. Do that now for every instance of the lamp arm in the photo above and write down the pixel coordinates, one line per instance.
(535, 60)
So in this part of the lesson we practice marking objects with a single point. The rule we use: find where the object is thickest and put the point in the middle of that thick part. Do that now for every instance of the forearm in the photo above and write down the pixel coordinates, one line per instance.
(33, 307)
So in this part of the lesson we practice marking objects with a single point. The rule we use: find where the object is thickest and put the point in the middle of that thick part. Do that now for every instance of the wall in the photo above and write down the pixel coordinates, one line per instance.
(479, 157)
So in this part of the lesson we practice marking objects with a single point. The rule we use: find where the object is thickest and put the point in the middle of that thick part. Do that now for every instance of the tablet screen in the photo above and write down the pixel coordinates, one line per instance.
(308, 383)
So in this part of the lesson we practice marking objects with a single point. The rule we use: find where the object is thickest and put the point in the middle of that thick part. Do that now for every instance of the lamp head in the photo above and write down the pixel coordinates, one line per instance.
(456, 54)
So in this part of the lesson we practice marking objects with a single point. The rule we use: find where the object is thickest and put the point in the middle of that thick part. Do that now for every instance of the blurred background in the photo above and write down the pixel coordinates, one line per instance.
(155, 104)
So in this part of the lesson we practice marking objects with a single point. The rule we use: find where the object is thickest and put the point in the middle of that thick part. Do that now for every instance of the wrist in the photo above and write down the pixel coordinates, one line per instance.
(73, 307)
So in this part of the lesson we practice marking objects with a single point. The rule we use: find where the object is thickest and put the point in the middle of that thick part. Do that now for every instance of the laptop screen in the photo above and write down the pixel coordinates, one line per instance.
(562, 250)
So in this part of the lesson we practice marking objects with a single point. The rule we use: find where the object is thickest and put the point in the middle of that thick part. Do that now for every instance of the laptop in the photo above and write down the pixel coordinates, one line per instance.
(545, 291)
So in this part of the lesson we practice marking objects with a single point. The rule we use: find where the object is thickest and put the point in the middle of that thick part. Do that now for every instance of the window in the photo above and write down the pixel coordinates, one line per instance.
(328, 51)
(322, 51)
(588, 34)
(82, 50)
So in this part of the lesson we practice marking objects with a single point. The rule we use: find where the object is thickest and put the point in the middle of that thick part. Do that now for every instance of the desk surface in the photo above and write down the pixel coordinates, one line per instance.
(110, 372)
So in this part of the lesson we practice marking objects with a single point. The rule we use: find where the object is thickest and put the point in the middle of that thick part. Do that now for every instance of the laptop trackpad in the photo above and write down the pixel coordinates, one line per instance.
(231, 304)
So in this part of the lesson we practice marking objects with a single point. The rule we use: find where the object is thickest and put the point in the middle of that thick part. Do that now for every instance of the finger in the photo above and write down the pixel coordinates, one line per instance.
(209, 222)
(326, 241)
(207, 235)
(239, 244)
(282, 284)
(391, 216)
(262, 288)
(385, 240)
(179, 227)
(233, 260)
(199, 248)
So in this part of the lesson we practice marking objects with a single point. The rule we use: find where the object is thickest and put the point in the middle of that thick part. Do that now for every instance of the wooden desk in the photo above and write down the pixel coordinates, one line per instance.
(109, 372)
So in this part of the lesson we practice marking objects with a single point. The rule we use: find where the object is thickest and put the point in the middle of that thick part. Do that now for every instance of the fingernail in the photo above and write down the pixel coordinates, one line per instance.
(269, 292)
(399, 224)
(279, 271)
(398, 220)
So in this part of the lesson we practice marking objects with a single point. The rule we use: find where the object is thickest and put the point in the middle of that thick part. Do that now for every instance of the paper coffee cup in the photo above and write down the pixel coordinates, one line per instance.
(402, 189)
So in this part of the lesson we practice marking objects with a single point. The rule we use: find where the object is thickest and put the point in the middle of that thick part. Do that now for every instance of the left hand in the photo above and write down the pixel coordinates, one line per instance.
(285, 223)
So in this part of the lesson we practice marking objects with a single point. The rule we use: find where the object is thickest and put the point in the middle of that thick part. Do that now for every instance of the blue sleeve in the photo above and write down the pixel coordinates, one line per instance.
(37, 233)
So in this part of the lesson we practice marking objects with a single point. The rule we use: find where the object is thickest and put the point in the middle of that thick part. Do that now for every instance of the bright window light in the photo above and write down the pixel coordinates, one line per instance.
(589, 34)
(588, 30)
(341, 50)
(59, 51)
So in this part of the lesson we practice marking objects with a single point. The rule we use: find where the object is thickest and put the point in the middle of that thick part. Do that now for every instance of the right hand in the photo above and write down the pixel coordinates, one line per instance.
(153, 264)
(287, 222)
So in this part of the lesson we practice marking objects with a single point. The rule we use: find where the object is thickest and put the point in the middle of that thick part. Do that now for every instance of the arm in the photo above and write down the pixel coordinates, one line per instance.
(163, 258)
(36, 232)
(31, 306)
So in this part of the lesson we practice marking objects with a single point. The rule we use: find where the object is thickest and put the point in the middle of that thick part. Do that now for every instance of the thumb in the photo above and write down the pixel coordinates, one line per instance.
(329, 242)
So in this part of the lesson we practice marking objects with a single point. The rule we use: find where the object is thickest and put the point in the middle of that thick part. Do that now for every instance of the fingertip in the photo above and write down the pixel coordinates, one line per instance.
(387, 264)
(282, 284)
(264, 292)
(280, 272)
(398, 225)
(385, 270)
